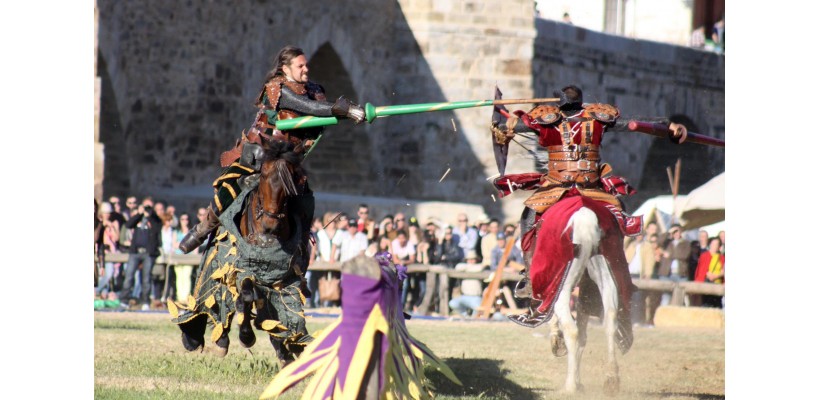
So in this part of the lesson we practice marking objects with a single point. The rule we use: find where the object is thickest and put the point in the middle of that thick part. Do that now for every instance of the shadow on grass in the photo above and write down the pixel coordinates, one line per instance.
(690, 395)
(480, 378)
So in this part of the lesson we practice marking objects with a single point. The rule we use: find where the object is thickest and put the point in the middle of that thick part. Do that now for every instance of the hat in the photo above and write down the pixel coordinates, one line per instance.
(501, 235)
(471, 254)
(106, 208)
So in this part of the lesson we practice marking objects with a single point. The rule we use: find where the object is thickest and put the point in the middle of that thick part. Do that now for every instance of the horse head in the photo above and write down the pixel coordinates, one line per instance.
(267, 215)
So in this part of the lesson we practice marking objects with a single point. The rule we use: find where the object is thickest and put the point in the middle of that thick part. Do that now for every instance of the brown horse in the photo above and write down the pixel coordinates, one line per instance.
(263, 261)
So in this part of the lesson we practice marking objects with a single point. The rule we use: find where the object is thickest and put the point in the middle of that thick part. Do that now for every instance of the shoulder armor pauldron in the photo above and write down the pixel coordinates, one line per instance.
(545, 114)
(605, 113)
(315, 91)
(298, 88)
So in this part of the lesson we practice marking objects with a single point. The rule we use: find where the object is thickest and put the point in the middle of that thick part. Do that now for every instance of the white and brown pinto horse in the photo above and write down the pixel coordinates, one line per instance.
(579, 242)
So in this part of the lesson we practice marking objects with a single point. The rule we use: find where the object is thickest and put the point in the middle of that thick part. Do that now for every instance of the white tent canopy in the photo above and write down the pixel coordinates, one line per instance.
(706, 205)
(703, 208)
(657, 209)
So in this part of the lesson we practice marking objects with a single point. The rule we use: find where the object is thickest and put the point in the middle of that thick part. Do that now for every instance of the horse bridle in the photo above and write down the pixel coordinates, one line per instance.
(261, 209)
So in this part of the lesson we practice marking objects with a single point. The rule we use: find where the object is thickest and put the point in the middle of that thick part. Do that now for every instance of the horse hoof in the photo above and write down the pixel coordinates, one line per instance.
(192, 344)
(612, 386)
(573, 389)
(559, 347)
(222, 344)
(247, 338)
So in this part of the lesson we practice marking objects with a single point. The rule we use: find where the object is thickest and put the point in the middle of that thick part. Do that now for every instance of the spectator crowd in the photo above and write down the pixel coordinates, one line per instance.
(147, 229)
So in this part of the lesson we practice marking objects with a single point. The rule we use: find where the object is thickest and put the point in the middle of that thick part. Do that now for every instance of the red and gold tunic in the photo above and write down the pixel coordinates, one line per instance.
(573, 141)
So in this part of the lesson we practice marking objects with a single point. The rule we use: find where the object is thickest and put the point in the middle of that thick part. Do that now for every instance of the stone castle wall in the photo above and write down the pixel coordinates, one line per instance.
(178, 80)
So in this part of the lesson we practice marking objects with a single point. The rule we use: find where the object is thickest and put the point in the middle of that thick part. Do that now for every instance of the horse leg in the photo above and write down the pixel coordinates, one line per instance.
(247, 337)
(282, 353)
(557, 343)
(568, 326)
(601, 274)
(222, 343)
(193, 333)
(585, 238)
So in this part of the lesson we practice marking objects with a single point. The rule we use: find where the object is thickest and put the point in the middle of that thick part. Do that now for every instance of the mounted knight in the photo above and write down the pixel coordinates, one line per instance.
(253, 266)
(287, 93)
(572, 132)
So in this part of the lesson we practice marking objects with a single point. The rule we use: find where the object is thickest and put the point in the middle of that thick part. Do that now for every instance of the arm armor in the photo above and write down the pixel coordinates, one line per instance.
(301, 104)
(344, 108)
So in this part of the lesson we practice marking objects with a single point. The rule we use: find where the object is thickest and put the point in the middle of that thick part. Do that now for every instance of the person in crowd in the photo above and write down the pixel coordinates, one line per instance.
(130, 207)
(640, 254)
(722, 237)
(711, 269)
(365, 223)
(471, 289)
(116, 212)
(468, 235)
(164, 285)
(400, 222)
(489, 241)
(387, 227)
(404, 252)
(145, 248)
(182, 271)
(426, 250)
(110, 236)
(325, 238)
(675, 262)
(171, 210)
(497, 253)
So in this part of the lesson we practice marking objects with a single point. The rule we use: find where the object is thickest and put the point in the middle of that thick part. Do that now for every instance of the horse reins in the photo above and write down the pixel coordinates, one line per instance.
(261, 209)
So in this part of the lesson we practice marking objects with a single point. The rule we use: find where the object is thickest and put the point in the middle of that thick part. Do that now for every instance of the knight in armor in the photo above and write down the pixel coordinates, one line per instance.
(571, 132)
(287, 93)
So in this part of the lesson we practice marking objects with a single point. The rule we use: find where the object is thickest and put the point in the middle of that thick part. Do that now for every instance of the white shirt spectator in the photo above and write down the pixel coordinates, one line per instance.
(403, 252)
(324, 243)
(350, 246)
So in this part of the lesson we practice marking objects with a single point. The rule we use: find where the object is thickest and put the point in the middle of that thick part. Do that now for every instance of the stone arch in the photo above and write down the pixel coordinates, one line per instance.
(697, 165)
(343, 153)
(112, 136)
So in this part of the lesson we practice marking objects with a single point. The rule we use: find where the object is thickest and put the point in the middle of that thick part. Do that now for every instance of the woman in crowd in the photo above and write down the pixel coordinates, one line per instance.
(111, 235)
(711, 269)
(182, 272)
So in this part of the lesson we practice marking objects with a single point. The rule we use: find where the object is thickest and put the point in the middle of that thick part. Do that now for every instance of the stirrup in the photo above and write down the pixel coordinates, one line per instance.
(530, 319)
(523, 289)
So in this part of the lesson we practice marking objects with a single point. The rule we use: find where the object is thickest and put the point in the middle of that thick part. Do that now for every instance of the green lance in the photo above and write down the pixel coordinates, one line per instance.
(372, 112)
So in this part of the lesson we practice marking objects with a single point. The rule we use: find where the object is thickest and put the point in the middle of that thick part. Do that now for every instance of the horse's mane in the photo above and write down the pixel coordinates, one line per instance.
(283, 152)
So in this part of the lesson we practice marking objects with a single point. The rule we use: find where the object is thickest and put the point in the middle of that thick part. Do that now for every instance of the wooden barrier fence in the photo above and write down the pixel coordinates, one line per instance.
(439, 276)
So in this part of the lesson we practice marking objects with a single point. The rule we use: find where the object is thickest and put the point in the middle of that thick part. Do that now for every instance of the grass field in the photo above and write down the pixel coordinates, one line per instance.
(140, 356)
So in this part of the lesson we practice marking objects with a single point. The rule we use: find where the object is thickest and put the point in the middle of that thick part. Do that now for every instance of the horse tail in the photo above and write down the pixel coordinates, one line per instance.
(586, 234)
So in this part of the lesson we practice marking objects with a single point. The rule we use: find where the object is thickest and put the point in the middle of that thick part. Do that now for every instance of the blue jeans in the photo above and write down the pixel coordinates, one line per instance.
(464, 304)
(419, 288)
(134, 260)
(105, 281)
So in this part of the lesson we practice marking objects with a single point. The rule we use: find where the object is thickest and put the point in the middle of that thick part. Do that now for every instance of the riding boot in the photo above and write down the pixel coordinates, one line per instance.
(199, 232)
(523, 289)
(532, 318)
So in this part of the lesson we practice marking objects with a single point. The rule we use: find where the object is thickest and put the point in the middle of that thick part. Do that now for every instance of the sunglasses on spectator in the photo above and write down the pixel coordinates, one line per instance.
(399, 219)
(462, 220)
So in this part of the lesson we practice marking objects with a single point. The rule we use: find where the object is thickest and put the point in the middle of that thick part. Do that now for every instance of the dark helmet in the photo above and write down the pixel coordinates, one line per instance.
(571, 97)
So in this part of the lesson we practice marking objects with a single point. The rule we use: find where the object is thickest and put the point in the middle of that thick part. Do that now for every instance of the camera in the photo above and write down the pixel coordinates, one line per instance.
(148, 209)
